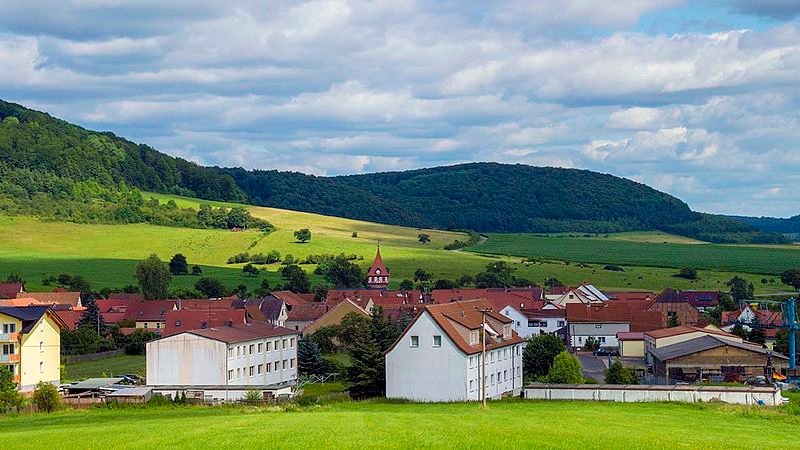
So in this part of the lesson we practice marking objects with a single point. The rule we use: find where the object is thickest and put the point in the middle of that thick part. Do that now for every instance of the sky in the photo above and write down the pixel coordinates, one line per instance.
(700, 99)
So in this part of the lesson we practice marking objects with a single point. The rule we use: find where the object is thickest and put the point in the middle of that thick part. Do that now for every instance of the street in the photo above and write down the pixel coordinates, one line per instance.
(593, 367)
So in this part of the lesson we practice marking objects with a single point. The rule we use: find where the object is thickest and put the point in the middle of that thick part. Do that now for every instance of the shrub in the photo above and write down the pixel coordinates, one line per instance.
(355, 234)
(46, 397)
(619, 374)
(687, 273)
(566, 370)
(613, 268)
(253, 396)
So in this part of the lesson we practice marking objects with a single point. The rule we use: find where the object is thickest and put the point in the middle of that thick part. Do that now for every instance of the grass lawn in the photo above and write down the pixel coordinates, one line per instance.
(646, 249)
(508, 424)
(106, 255)
(114, 366)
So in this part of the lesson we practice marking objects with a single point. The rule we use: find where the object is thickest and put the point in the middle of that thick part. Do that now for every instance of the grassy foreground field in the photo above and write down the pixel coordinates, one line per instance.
(646, 249)
(511, 424)
(106, 255)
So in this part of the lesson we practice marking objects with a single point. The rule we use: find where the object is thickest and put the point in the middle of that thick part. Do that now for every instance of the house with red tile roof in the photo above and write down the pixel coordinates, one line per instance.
(292, 299)
(58, 299)
(269, 309)
(177, 321)
(674, 307)
(11, 290)
(438, 356)
(224, 362)
(150, 315)
(335, 315)
(301, 316)
(604, 321)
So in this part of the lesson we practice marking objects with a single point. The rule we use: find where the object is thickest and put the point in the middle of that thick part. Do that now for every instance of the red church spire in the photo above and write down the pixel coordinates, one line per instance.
(378, 274)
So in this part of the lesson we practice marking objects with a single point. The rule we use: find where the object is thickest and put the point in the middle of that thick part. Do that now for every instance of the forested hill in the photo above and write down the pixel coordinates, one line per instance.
(790, 225)
(53, 168)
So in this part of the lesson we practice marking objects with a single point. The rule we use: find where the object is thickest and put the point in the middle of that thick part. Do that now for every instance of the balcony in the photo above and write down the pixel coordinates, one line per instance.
(14, 358)
(9, 337)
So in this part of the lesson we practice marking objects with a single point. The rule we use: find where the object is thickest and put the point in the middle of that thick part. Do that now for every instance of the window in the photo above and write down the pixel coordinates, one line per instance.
(238, 373)
(473, 337)
(260, 369)
(230, 375)
(602, 339)
(414, 341)
(498, 377)
(41, 346)
(291, 342)
(492, 380)
(268, 366)
(471, 385)
(562, 323)
(238, 351)
(505, 375)
(252, 348)
(252, 370)
(277, 366)
(260, 347)
(437, 341)
(276, 347)
(598, 325)
(230, 353)
(285, 365)
(471, 362)
(268, 345)
(291, 363)
(284, 343)
(491, 356)
(177, 323)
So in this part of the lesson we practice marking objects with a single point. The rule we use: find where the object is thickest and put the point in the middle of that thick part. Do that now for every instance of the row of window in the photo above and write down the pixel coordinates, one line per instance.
(543, 323)
(252, 349)
(499, 355)
(601, 339)
(378, 279)
(260, 369)
(435, 342)
(491, 380)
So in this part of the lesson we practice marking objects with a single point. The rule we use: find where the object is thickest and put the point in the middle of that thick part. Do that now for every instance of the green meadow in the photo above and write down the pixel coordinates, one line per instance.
(106, 255)
(382, 424)
(646, 249)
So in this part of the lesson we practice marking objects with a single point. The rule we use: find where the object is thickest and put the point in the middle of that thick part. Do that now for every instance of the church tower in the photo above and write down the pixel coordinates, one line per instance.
(378, 275)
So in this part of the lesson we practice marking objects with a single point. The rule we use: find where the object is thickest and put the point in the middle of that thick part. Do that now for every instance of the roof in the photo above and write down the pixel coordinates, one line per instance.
(116, 304)
(126, 296)
(544, 313)
(242, 332)
(448, 315)
(293, 299)
(684, 329)
(615, 311)
(30, 315)
(204, 304)
(267, 308)
(631, 295)
(519, 298)
(95, 383)
(308, 312)
(70, 318)
(378, 267)
(131, 392)
(700, 299)
(380, 297)
(706, 343)
(182, 320)
(20, 302)
(62, 298)
(669, 295)
(10, 290)
(155, 310)
(630, 336)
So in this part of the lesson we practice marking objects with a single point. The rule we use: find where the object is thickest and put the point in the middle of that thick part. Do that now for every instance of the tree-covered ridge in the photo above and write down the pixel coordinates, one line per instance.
(39, 142)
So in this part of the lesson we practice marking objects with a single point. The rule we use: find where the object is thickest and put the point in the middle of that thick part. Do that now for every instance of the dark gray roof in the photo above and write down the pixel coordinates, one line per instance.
(29, 315)
(267, 308)
(706, 343)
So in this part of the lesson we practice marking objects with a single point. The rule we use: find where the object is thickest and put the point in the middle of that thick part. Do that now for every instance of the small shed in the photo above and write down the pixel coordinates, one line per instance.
(139, 394)
(92, 385)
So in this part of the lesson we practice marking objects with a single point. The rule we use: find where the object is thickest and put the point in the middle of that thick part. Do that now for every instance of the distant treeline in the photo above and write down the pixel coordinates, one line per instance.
(70, 165)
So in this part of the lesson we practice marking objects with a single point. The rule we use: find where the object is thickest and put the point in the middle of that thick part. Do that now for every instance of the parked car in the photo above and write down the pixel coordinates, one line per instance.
(606, 352)
(759, 380)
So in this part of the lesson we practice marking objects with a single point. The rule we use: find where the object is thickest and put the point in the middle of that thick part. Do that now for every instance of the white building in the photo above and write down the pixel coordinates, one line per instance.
(533, 322)
(225, 362)
(438, 357)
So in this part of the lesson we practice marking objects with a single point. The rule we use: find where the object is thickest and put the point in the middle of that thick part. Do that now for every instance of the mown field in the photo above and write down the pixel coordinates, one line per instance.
(507, 424)
(106, 255)
(646, 249)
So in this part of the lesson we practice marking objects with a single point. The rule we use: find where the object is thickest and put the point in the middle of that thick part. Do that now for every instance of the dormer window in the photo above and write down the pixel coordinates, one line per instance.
(473, 337)
(506, 331)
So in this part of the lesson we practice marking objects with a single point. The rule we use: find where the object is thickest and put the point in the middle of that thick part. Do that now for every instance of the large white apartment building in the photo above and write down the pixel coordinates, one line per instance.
(439, 359)
(225, 362)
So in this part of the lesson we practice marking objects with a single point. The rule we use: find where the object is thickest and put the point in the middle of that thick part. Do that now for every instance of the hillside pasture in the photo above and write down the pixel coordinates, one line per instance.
(638, 250)
(381, 424)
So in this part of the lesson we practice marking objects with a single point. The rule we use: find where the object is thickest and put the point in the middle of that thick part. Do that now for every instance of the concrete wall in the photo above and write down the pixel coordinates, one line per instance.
(40, 355)
(219, 394)
(632, 394)
(186, 359)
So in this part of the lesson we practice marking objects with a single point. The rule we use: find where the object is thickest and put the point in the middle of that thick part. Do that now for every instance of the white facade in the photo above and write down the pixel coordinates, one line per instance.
(604, 332)
(187, 359)
(425, 365)
(526, 327)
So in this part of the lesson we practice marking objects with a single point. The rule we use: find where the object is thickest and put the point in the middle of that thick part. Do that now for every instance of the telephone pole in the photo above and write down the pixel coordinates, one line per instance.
(483, 311)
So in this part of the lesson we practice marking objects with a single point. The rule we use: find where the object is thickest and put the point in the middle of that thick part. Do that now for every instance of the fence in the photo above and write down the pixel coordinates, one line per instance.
(638, 393)
(72, 359)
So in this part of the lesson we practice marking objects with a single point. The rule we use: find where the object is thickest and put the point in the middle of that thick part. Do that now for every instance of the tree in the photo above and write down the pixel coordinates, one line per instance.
(309, 357)
(687, 273)
(250, 270)
(406, 285)
(591, 343)
(14, 278)
(445, 284)
(739, 330)
(303, 235)
(551, 282)
(782, 342)
(566, 370)
(539, 353)
(466, 280)
(10, 398)
(320, 293)
(383, 330)
(726, 302)
(197, 270)
(153, 277)
(46, 397)
(422, 276)
(178, 265)
(74, 283)
(792, 278)
(619, 374)
(366, 375)
(741, 289)
(91, 317)
(497, 275)
(424, 238)
(238, 217)
(296, 279)
(350, 326)
(263, 290)
(355, 234)
(341, 272)
(756, 334)
(210, 287)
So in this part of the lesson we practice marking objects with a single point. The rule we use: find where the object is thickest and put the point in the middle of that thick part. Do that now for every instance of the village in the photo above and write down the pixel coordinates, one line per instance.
(439, 345)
